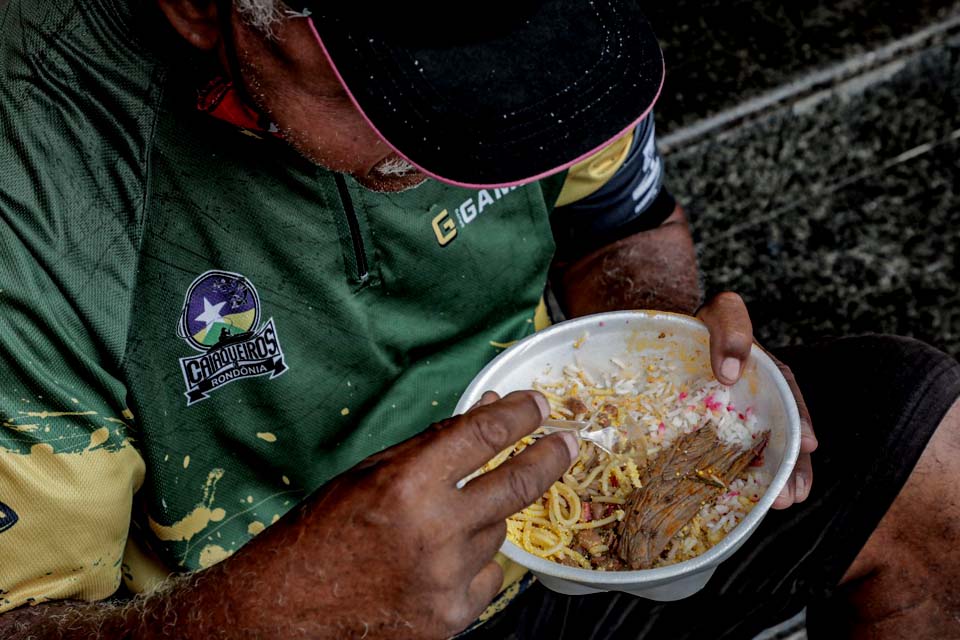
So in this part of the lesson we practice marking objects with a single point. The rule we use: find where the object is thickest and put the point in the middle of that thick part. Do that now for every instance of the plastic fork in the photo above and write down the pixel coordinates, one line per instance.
(607, 438)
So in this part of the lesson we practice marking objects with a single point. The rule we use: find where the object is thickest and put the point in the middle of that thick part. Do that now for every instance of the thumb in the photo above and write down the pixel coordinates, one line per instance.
(731, 335)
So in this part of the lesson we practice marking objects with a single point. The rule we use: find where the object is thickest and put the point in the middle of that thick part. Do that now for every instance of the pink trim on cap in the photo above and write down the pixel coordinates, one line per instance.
(515, 183)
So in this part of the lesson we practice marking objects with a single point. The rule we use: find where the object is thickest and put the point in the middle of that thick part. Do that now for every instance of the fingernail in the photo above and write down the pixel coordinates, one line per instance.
(573, 446)
(730, 368)
(785, 494)
(543, 404)
(800, 487)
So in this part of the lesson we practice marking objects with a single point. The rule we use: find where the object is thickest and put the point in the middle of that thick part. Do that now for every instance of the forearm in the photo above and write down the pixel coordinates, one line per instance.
(73, 619)
(655, 269)
(183, 607)
(256, 593)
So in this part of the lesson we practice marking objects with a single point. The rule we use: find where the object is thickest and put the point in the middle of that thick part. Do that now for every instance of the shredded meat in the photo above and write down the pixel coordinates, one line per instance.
(587, 539)
(675, 486)
(576, 407)
(590, 538)
(608, 562)
(607, 414)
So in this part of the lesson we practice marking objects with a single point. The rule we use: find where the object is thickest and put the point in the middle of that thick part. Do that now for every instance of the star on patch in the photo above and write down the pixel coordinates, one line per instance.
(211, 313)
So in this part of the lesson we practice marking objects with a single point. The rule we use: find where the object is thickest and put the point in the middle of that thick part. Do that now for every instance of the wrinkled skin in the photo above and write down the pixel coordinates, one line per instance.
(289, 79)
(393, 545)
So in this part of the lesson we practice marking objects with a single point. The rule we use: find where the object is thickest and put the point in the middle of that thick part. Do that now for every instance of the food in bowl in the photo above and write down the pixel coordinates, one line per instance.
(686, 473)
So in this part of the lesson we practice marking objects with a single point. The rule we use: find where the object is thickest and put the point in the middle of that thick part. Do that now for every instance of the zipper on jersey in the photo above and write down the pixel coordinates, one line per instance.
(359, 252)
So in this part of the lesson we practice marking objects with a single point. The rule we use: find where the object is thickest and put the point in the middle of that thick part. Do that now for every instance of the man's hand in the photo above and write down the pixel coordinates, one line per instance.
(389, 549)
(393, 549)
(731, 336)
(657, 269)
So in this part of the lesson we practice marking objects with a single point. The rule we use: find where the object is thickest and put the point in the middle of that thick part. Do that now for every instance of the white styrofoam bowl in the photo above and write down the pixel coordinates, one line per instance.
(626, 335)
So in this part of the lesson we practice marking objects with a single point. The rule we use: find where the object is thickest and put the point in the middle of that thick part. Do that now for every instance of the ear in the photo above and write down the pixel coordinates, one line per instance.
(195, 20)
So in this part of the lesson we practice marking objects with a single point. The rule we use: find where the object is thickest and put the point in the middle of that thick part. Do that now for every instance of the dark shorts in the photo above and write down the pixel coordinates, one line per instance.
(875, 401)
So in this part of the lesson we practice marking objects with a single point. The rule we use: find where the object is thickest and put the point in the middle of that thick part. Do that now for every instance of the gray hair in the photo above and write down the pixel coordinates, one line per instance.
(262, 14)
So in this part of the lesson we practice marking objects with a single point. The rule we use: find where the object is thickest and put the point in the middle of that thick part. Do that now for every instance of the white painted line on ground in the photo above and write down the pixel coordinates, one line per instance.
(807, 84)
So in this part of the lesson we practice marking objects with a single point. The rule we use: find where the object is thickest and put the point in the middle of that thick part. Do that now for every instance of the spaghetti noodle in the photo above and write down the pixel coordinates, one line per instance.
(574, 521)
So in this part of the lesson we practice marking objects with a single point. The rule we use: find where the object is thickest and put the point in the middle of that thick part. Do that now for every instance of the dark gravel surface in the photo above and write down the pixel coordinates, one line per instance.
(722, 52)
(839, 215)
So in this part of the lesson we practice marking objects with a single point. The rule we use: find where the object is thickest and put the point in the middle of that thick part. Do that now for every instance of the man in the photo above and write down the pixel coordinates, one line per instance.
(214, 315)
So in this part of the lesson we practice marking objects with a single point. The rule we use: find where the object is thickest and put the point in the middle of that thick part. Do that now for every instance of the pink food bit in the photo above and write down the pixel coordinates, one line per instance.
(741, 416)
(682, 396)
(730, 407)
(602, 323)
(661, 427)
(733, 494)
(585, 515)
(749, 411)
(712, 403)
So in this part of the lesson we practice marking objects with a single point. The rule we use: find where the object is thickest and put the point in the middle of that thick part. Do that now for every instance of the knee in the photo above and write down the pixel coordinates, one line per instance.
(923, 524)
(909, 355)
(905, 371)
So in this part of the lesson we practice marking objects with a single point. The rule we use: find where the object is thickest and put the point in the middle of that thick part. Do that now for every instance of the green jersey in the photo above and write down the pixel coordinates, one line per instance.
(198, 327)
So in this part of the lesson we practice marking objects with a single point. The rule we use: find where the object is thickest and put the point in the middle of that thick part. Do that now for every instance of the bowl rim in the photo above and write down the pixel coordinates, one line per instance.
(715, 554)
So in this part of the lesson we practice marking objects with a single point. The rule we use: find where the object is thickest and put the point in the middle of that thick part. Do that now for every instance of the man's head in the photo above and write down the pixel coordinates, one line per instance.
(290, 80)
(480, 95)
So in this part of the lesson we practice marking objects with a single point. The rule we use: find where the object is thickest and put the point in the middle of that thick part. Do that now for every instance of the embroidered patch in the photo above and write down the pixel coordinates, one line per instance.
(221, 320)
(8, 517)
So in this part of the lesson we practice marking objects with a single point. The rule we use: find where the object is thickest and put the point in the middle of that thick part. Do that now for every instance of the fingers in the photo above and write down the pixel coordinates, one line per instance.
(488, 397)
(798, 486)
(731, 338)
(472, 439)
(802, 478)
(522, 479)
(484, 587)
(486, 542)
(785, 499)
(459, 609)
(731, 335)
(808, 440)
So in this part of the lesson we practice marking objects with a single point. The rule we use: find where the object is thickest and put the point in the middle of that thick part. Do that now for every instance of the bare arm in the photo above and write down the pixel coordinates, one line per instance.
(389, 549)
(655, 269)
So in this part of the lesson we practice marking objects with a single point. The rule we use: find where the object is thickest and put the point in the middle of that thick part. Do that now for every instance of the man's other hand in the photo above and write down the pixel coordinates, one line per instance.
(731, 336)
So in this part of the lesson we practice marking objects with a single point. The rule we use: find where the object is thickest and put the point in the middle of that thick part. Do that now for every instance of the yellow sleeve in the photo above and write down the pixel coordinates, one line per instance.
(72, 514)
(68, 467)
(587, 176)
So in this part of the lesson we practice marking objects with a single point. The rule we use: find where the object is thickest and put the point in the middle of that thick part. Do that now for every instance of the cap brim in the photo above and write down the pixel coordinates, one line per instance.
(515, 107)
